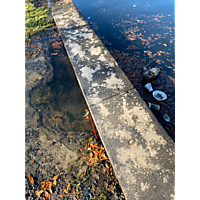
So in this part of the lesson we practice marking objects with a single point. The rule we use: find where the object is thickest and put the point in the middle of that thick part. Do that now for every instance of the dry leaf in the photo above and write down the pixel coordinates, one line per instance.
(68, 187)
(55, 178)
(54, 182)
(65, 190)
(38, 193)
(85, 172)
(109, 188)
(30, 178)
(56, 44)
(105, 158)
(32, 161)
(47, 195)
(60, 195)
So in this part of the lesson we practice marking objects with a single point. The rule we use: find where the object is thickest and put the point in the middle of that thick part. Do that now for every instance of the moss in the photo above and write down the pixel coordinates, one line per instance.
(36, 19)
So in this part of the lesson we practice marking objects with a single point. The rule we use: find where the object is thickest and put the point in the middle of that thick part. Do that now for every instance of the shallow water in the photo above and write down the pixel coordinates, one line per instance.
(139, 35)
(55, 129)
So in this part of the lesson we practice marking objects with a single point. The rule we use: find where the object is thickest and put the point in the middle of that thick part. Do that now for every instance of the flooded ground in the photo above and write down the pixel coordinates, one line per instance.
(62, 156)
(140, 35)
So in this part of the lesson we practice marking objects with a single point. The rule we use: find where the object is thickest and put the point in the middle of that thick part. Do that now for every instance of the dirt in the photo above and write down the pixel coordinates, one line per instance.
(56, 133)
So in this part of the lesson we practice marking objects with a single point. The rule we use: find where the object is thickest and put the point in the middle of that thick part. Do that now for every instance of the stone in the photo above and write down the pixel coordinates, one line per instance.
(151, 74)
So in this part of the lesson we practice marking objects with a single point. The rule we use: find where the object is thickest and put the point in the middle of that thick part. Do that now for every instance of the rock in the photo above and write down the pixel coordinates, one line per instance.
(151, 74)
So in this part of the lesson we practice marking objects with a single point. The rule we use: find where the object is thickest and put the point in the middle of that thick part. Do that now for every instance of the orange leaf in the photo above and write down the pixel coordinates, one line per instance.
(38, 193)
(93, 145)
(30, 178)
(109, 188)
(60, 195)
(56, 119)
(31, 81)
(91, 155)
(68, 188)
(91, 164)
(105, 158)
(55, 178)
(65, 190)
(85, 172)
(47, 195)
(32, 161)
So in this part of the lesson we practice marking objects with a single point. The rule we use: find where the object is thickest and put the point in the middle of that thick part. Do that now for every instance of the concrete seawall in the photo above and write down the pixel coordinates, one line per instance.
(140, 151)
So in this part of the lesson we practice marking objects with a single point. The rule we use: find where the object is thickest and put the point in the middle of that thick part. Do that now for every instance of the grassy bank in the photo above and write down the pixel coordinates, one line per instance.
(36, 19)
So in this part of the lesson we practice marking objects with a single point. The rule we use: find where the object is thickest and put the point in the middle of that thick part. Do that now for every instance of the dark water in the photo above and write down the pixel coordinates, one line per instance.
(139, 35)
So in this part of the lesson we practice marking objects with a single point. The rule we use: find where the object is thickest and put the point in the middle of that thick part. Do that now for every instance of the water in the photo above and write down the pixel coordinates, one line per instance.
(139, 35)
(56, 133)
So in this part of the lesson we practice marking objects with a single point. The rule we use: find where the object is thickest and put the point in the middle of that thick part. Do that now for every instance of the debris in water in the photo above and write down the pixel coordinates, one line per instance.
(151, 74)
(148, 86)
(159, 95)
(166, 117)
(154, 106)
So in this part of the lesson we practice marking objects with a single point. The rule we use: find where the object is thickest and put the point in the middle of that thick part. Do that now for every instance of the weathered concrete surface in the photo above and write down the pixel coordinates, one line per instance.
(145, 170)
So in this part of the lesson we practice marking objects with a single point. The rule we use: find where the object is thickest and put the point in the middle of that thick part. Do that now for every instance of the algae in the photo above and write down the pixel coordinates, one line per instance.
(36, 19)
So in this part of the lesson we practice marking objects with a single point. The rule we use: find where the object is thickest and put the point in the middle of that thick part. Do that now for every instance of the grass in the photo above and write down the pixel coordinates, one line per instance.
(36, 19)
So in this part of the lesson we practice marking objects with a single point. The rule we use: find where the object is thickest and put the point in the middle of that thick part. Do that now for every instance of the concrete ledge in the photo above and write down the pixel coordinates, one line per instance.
(145, 169)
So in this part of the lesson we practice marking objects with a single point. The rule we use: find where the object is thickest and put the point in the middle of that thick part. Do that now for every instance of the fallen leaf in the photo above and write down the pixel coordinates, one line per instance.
(32, 161)
(54, 182)
(109, 188)
(30, 178)
(61, 195)
(91, 164)
(165, 45)
(47, 195)
(38, 193)
(85, 172)
(93, 145)
(54, 53)
(56, 119)
(31, 81)
(68, 187)
(52, 140)
(56, 44)
(65, 190)
(105, 158)
(55, 178)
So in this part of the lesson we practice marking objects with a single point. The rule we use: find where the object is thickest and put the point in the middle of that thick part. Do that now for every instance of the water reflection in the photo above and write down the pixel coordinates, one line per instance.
(139, 35)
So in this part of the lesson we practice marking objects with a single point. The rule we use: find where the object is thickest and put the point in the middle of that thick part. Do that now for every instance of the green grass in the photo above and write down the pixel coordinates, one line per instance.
(36, 19)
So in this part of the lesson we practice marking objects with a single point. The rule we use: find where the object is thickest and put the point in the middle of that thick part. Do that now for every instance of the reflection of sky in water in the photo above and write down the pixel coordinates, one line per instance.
(137, 33)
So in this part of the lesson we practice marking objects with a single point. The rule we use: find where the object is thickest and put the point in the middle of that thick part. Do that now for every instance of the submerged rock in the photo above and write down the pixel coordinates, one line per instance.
(151, 74)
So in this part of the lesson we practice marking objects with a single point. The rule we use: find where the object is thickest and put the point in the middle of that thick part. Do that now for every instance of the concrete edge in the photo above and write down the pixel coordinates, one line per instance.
(145, 170)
